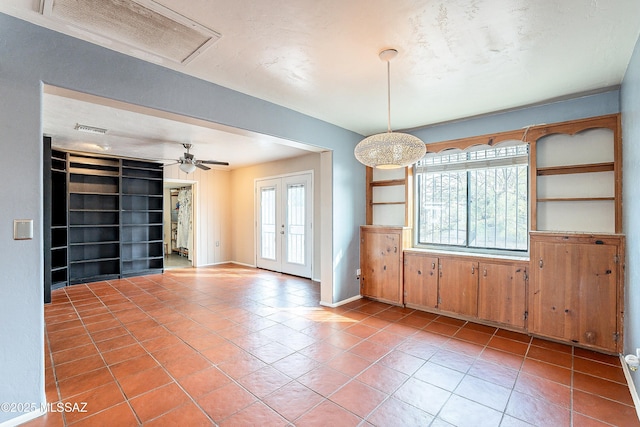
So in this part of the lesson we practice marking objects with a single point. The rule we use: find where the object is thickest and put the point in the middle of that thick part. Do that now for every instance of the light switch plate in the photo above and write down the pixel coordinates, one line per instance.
(22, 229)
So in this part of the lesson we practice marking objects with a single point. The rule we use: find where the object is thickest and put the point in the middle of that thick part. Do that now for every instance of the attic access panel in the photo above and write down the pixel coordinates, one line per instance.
(142, 25)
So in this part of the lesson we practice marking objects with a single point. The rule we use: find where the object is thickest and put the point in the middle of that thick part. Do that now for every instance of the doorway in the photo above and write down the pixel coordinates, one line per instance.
(284, 215)
(178, 225)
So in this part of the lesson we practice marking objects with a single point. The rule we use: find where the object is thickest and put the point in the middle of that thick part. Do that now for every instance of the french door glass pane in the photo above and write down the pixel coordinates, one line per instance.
(268, 238)
(295, 223)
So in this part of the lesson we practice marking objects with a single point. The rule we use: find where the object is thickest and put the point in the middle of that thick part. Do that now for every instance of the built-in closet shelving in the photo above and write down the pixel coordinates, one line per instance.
(104, 217)
(94, 218)
(141, 232)
(59, 270)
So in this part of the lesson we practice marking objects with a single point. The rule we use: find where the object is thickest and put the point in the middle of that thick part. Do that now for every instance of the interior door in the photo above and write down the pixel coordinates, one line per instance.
(284, 213)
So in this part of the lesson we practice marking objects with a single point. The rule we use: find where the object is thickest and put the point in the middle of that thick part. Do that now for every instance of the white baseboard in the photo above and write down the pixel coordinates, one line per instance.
(221, 263)
(21, 419)
(631, 384)
(339, 303)
(240, 263)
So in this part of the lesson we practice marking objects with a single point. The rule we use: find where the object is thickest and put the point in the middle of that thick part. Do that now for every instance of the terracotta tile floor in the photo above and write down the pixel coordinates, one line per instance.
(229, 345)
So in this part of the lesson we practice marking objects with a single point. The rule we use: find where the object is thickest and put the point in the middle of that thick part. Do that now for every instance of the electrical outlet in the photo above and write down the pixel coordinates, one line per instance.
(358, 272)
(217, 243)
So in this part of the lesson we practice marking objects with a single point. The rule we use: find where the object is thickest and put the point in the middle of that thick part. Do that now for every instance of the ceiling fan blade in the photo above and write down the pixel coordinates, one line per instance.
(213, 162)
(201, 166)
(169, 164)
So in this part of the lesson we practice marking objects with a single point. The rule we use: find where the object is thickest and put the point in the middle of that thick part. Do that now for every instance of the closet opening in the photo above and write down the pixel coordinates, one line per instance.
(178, 225)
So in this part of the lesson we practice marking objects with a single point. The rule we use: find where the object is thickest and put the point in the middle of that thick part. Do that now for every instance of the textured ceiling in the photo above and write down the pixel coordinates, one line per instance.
(457, 58)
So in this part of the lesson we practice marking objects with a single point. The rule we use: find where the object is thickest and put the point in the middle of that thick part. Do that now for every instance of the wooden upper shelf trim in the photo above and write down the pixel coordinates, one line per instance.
(568, 169)
(573, 127)
(529, 134)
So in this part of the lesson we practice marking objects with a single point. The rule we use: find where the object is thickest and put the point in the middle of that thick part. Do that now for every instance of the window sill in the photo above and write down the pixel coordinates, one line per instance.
(485, 255)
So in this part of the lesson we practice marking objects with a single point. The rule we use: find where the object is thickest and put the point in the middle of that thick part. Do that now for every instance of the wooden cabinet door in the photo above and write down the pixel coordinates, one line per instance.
(574, 292)
(594, 297)
(550, 289)
(380, 265)
(420, 280)
(458, 286)
(502, 292)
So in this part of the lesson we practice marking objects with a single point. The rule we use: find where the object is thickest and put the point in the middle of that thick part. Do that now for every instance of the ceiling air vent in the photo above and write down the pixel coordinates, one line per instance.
(90, 129)
(142, 25)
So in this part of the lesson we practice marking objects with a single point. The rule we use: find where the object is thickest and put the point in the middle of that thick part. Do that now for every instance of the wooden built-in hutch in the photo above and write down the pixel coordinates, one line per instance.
(568, 287)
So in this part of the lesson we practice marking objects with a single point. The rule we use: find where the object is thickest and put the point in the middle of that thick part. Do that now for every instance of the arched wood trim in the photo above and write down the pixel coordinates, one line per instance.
(464, 143)
(573, 127)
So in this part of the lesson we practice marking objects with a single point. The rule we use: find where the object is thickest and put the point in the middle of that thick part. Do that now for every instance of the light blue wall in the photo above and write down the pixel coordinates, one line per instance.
(630, 98)
(571, 109)
(21, 290)
(29, 56)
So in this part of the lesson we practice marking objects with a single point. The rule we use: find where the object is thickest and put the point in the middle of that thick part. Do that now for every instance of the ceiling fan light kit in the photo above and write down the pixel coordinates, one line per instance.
(187, 167)
(188, 162)
(389, 150)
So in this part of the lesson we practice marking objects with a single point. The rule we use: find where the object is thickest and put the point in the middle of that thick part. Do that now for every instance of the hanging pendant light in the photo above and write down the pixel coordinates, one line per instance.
(389, 150)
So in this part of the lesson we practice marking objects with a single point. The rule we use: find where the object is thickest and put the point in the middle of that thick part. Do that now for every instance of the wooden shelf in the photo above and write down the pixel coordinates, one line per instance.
(570, 169)
(95, 161)
(93, 225)
(387, 182)
(94, 193)
(94, 210)
(387, 203)
(103, 242)
(141, 177)
(92, 172)
(575, 199)
(91, 261)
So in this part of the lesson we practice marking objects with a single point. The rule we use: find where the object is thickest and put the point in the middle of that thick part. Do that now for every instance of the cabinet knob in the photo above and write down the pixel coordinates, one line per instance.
(419, 272)
(433, 265)
(473, 269)
(540, 263)
(484, 273)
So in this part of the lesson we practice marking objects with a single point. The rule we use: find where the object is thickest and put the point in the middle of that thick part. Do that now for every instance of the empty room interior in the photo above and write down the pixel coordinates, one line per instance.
(235, 213)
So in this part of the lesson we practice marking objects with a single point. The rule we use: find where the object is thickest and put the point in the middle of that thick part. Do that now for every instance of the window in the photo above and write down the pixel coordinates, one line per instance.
(474, 199)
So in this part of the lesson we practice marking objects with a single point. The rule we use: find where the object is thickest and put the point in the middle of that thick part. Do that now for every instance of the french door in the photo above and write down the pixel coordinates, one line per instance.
(284, 213)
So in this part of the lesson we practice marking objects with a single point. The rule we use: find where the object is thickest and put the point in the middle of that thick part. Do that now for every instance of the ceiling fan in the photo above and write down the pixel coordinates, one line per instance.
(188, 162)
